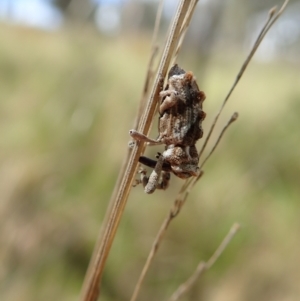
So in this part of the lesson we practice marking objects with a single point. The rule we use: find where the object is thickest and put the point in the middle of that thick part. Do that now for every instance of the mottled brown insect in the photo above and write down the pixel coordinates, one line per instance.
(179, 127)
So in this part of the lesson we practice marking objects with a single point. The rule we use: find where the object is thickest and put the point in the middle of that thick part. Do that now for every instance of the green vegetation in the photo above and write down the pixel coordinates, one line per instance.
(67, 102)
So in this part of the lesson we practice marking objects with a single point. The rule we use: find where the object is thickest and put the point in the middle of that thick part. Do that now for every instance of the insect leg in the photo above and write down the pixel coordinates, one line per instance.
(141, 137)
(153, 180)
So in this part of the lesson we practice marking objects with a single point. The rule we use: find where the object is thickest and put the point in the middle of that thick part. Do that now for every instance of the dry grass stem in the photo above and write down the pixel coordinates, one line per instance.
(148, 80)
(272, 17)
(157, 23)
(150, 69)
(90, 289)
(180, 200)
(233, 118)
(204, 266)
(184, 28)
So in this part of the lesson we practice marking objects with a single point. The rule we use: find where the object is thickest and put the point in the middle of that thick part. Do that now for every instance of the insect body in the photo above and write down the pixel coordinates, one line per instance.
(180, 127)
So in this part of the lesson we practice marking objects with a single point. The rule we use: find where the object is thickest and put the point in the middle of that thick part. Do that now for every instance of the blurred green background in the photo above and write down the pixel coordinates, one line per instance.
(68, 99)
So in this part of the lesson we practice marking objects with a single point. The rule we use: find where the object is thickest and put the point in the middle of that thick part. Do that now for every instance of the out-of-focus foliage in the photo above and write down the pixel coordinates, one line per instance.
(68, 100)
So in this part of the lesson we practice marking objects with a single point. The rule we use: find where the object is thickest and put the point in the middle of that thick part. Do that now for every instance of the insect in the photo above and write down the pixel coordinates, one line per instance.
(180, 127)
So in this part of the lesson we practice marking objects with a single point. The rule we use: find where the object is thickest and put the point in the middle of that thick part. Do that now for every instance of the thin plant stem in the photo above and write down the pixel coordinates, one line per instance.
(204, 266)
(180, 200)
(157, 22)
(233, 118)
(90, 289)
(185, 27)
(272, 17)
(150, 70)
